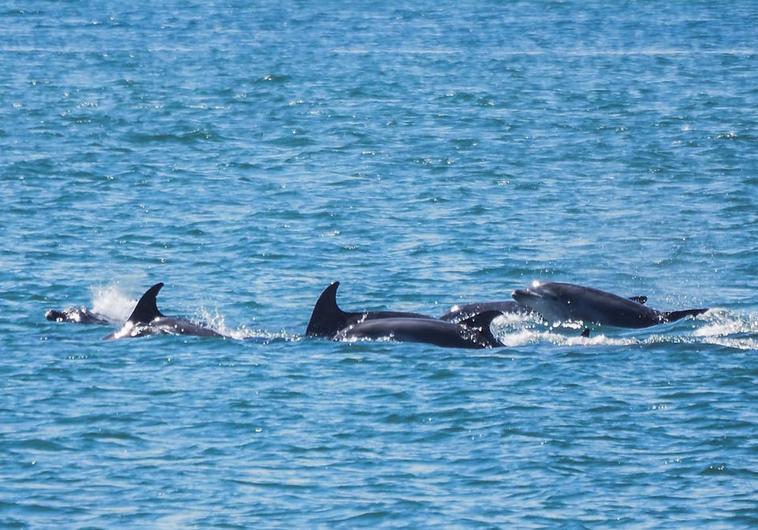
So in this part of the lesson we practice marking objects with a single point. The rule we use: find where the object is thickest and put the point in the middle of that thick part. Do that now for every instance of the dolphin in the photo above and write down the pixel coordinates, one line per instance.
(146, 319)
(558, 302)
(460, 312)
(473, 332)
(327, 319)
(76, 315)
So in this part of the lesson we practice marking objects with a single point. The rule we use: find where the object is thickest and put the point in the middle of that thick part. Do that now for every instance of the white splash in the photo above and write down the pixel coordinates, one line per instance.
(523, 337)
(720, 322)
(216, 321)
(718, 327)
(111, 302)
(129, 329)
(732, 330)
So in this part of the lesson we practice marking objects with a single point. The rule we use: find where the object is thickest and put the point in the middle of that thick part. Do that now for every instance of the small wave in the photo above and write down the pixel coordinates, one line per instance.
(577, 52)
(530, 336)
(721, 322)
(729, 329)
(737, 344)
(182, 137)
(717, 327)
(260, 335)
(275, 78)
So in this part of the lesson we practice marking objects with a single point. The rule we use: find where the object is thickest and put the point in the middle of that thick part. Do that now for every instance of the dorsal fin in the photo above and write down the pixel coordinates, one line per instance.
(481, 322)
(639, 299)
(146, 309)
(586, 333)
(327, 318)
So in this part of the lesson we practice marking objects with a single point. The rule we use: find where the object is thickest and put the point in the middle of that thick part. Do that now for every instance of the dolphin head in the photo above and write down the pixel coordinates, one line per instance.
(55, 315)
(540, 297)
(532, 294)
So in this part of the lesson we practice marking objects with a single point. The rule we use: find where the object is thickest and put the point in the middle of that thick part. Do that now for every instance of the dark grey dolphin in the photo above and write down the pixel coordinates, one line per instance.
(458, 312)
(461, 312)
(560, 302)
(473, 332)
(147, 320)
(327, 319)
(76, 315)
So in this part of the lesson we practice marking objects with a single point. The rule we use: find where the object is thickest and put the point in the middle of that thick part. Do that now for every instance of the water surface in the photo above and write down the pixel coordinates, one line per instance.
(424, 154)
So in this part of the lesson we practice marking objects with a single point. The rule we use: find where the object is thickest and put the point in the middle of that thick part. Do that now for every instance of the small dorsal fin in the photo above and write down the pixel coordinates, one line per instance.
(146, 309)
(327, 318)
(639, 299)
(586, 333)
(481, 322)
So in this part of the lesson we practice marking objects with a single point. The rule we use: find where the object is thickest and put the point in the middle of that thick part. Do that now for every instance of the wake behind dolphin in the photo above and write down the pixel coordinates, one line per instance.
(562, 302)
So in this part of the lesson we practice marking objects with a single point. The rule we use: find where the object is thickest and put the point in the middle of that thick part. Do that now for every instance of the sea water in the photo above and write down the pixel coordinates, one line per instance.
(424, 154)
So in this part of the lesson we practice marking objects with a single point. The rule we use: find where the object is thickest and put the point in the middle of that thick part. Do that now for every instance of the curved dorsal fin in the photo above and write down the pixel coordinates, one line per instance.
(481, 322)
(327, 318)
(146, 309)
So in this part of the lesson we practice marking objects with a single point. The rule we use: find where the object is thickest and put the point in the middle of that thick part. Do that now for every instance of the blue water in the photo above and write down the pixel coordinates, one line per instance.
(424, 154)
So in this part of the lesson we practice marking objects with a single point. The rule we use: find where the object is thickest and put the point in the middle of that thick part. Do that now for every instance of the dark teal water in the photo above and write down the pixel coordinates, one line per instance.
(424, 154)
